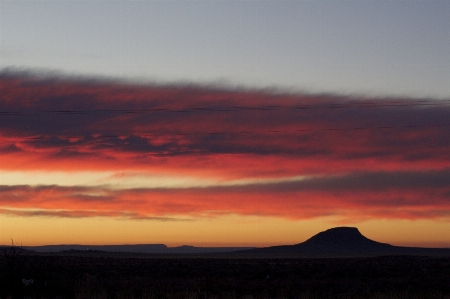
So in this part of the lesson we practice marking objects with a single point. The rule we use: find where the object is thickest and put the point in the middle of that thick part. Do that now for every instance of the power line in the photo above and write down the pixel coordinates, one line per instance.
(368, 105)
(222, 133)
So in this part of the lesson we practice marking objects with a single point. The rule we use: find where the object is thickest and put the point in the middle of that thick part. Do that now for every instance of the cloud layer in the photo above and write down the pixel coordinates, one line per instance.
(289, 155)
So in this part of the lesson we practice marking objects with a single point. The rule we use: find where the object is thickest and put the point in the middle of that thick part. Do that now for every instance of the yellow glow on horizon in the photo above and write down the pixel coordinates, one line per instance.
(230, 230)
(420, 233)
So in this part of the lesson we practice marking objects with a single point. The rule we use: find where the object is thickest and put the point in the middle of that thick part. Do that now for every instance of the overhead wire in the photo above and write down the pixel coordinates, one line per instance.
(368, 104)
(364, 104)
(261, 132)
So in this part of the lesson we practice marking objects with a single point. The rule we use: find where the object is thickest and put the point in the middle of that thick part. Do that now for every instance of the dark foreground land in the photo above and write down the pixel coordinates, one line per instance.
(99, 275)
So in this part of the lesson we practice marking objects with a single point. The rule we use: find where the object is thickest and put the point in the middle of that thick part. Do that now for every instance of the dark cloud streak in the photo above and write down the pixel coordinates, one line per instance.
(357, 153)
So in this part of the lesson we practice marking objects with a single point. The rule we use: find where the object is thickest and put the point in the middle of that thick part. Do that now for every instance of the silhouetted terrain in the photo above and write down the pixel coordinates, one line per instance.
(334, 242)
(134, 248)
(364, 269)
(116, 276)
(345, 241)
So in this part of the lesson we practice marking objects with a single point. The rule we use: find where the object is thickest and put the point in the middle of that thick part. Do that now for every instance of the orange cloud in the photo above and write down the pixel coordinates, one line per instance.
(405, 195)
(364, 158)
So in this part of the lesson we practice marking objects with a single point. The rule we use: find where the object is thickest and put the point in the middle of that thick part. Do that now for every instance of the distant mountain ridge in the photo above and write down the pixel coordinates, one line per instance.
(334, 242)
(133, 248)
(346, 241)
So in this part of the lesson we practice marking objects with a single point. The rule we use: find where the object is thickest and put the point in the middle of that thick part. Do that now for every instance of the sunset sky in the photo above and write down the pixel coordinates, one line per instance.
(224, 123)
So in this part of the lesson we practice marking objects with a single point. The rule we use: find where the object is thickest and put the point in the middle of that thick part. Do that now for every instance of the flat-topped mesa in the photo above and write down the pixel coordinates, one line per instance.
(341, 239)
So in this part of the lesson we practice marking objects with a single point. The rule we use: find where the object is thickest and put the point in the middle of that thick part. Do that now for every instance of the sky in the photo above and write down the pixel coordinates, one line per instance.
(224, 123)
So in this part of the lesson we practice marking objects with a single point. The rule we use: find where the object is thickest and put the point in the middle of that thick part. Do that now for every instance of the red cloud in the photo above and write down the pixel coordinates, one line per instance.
(70, 125)
(410, 195)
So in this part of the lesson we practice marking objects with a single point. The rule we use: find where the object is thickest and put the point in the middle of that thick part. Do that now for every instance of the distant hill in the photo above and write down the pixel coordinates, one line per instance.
(8, 249)
(345, 241)
(132, 248)
(334, 242)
